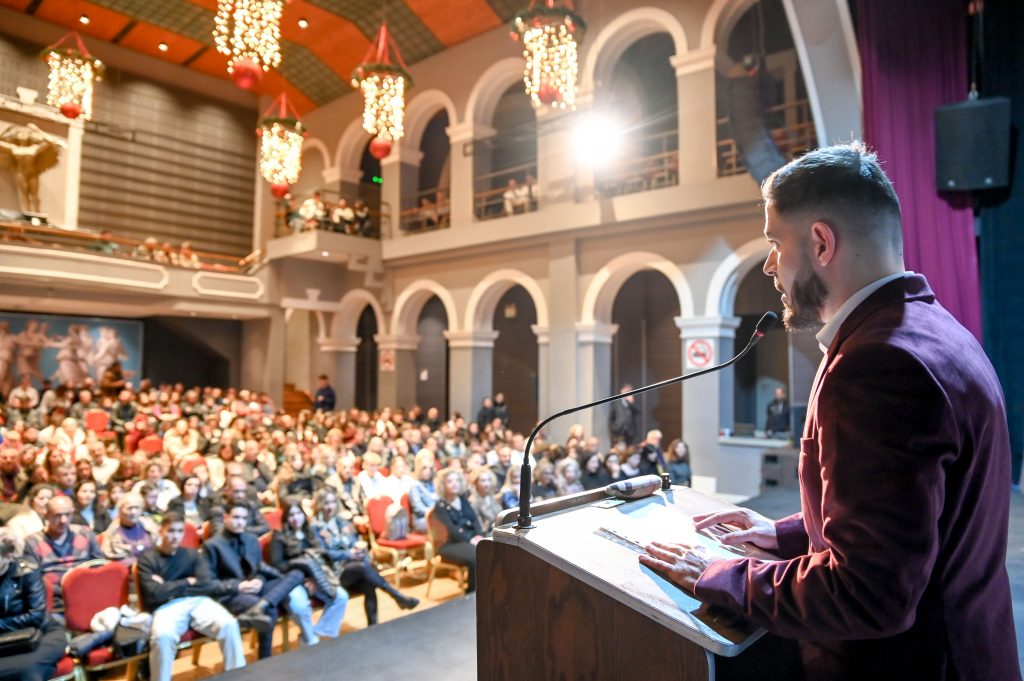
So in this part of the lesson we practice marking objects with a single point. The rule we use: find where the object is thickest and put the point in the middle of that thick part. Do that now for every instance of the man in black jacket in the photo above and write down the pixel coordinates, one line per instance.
(622, 422)
(175, 585)
(247, 584)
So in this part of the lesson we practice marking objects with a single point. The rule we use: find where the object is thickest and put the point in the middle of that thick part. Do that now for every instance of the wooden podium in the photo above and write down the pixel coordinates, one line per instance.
(569, 600)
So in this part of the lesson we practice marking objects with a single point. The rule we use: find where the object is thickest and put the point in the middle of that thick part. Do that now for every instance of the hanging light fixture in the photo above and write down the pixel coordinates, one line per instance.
(249, 33)
(551, 34)
(72, 74)
(383, 84)
(281, 134)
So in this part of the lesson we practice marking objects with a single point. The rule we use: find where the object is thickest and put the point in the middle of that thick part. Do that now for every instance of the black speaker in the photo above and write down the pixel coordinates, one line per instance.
(972, 145)
(746, 117)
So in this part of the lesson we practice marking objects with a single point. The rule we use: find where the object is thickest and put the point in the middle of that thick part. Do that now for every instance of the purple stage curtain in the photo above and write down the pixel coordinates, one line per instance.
(914, 58)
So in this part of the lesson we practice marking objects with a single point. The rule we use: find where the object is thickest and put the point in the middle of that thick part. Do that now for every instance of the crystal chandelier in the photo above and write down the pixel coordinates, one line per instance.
(249, 33)
(72, 73)
(383, 85)
(281, 134)
(551, 35)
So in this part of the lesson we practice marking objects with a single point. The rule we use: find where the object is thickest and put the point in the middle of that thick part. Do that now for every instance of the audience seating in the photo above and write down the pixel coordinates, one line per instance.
(99, 421)
(395, 549)
(191, 540)
(272, 515)
(438, 537)
(152, 444)
(282, 618)
(192, 640)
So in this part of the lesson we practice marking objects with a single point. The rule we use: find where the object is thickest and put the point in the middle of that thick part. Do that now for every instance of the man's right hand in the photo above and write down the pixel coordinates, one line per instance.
(250, 586)
(752, 527)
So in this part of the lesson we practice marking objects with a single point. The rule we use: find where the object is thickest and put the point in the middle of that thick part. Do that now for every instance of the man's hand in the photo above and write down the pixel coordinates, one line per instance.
(250, 586)
(753, 528)
(191, 580)
(157, 578)
(680, 564)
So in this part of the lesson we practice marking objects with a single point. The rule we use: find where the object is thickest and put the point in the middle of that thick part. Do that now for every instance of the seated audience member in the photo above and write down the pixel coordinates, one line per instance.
(594, 475)
(343, 218)
(192, 507)
(12, 478)
(150, 508)
(423, 494)
(237, 491)
(181, 441)
(23, 608)
(297, 546)
(293, 476)
(484, 484)
(514, 199)
(679, 462)
(398, 482)
(348, 556)
(187, 257)
(442, 209)
(652, 460)
(631, 466)
(364, 227)
(508, 495)
(165, 489)
(567, 477)
(61, 545)
(456, 513)
(313, 211)
(25, 392)
(613, 467)
(502, 463)
(251, 587)
(65, 479)
(147, 250)
(544, 481)
(130, 533)
(426, 214)
(32, 518)
(105, 243)
(372, 482)
(90, 507)
(175, 586)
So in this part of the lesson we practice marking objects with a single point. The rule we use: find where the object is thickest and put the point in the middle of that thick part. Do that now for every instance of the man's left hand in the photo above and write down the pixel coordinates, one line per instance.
(678, 563)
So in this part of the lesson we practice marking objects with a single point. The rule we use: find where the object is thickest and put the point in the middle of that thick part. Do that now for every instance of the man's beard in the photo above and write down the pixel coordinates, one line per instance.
(805, 300)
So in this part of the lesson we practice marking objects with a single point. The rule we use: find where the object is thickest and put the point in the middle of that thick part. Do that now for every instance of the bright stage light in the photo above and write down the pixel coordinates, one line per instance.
(597, 139)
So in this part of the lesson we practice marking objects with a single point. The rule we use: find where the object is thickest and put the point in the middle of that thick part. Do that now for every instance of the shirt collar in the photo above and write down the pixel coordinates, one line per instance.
(828, 332)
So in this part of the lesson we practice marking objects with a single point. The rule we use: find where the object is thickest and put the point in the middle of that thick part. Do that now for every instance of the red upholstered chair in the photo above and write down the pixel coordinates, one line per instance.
(272, 515)
(66, 669)
(98, 421)
(50, 579)
(151, 444)
(191, 540)
(395, 550)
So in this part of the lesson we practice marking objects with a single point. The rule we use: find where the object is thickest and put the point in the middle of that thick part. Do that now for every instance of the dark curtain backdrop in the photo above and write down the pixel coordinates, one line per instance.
(914, 58)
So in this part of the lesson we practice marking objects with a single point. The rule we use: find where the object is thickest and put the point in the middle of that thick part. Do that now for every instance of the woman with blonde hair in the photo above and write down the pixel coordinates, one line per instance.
(456, 513)
(508, 495)
(423, 494)
(483, 483)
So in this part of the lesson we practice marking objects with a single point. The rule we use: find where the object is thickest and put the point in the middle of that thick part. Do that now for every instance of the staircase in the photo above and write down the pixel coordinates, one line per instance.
(295, 400)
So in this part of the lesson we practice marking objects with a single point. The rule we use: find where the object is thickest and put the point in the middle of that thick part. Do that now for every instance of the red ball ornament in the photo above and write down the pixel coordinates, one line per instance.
(380, 148)
(246, 73)
(279, 190)
(548, 94)
(71, 110)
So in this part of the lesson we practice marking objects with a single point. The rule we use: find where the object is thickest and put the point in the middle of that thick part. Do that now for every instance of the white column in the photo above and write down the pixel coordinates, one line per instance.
(263, 355)
(470, 369)
(461, 138)
(344, 365)
(399, 169)
(396, 369)
(595, 377)
(543, 370)
(695, 93)
(707, 401)
(73, 178)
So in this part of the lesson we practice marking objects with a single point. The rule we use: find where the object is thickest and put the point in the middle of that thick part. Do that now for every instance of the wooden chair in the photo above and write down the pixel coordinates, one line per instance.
(394, 549)
(438, 537)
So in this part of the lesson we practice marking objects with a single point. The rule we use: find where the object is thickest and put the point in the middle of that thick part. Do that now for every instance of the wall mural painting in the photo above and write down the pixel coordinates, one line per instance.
(67, 349)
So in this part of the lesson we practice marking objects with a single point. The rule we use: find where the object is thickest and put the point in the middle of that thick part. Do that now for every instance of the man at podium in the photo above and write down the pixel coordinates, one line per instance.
(895, 568)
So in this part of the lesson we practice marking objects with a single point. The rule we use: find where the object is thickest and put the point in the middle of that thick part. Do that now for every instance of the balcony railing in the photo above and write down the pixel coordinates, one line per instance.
(791, 128)
(431, 210)
(657, 168)
(291, 218)
(493, 203)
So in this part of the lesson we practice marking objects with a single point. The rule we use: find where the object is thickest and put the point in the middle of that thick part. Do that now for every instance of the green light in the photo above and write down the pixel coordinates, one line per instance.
(377, 179)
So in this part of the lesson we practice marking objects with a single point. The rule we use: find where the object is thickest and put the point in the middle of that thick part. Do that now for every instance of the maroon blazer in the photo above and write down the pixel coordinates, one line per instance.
(896, 566)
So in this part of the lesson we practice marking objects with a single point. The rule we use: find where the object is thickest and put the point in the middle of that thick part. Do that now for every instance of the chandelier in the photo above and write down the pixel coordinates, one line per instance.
(249, 33)
(551, 35)
(383, 85)
(72, 73)
(281, 133)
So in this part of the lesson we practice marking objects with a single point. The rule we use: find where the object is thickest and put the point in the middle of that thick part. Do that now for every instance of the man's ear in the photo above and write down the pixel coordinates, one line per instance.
(823, 243)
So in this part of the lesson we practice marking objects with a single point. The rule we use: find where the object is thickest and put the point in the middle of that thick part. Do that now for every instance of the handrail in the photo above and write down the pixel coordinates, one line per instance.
(640, 173)
(418, 218)
(489, 203)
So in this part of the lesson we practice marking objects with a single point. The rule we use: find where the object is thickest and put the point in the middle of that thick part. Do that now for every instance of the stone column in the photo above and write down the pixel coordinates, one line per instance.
(559, 380)
(396, 369)
(263, 355)
(470, 369)
(595, 377)
(344, 364)
(543, 370)
(698, 136)
(461, 138)
(400, 170)
(707, 401)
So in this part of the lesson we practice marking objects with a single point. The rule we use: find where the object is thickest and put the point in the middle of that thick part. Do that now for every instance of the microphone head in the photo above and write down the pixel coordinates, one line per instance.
(767, 323)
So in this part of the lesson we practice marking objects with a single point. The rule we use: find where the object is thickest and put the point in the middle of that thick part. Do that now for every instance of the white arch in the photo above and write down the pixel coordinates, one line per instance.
(601, 292)
(623, 31)
(315, 143)
(421, 109)
(410, 303)
(489, 88)
(726, 279)
(349, 153)
(346, 318)
(486, 294)
(720, 20)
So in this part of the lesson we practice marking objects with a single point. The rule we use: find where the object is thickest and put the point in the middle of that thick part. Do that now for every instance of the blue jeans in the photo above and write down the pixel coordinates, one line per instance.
(330, 620)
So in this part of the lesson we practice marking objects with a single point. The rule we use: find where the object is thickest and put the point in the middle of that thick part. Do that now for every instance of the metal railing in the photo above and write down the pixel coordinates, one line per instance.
(790, 126)
(658, 166)
(431, 210)
(290, 220)
(491, 203)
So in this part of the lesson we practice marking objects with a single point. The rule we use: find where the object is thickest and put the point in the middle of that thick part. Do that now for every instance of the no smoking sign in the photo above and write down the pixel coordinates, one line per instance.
(700, 353)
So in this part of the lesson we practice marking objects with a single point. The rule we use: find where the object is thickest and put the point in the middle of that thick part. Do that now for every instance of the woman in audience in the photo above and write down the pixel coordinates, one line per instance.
(508, 495)
(679, 462)
(631, 466)
(544, 481)
(90, 508)
(348, 555)
(32, 517)
(23, 609)
(399, 482)
(456, 513)
(193, 508)
(423, 494)
(594, 475)
(567, 477)
(484, 484)
(131, 533)
(371, 480)
(613, 467)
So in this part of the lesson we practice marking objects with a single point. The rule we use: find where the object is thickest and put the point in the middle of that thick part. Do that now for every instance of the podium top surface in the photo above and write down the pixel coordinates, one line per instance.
(598, 545)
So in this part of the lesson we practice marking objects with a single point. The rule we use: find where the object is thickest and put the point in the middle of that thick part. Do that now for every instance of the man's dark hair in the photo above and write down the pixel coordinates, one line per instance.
(232, 505)
(171, 517)
(843, 186)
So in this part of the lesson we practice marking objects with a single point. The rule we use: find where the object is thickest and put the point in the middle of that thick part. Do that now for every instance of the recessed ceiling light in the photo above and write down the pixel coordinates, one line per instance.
(84, 19)
(325, 253)
(162, 47)
(303, 23)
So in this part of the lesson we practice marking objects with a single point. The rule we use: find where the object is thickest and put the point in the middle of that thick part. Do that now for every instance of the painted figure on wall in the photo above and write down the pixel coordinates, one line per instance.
(7, 345)
(28, 152)
(110, 349)
(31, 342)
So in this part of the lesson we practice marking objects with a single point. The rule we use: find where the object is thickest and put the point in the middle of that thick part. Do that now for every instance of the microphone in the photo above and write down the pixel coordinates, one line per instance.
(525, 521)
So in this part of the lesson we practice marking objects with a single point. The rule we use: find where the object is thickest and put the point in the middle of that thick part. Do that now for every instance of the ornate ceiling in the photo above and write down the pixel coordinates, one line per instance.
(316, 61)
